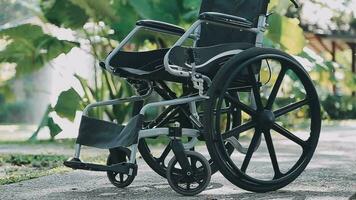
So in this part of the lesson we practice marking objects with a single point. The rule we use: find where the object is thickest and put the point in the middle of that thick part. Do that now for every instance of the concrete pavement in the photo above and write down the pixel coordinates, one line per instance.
(330, 175)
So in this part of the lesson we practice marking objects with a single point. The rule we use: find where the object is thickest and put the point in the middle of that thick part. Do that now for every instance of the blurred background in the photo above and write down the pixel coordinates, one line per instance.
(50, 49)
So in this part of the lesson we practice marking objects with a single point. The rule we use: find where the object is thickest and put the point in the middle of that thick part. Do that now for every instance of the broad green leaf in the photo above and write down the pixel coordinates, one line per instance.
(191, 4)
(47, 121)
(30, 49)
(64, 13)
(67, 104)
(127, 18)
(54, 128)
(158, 10)
(286, 32)
(98, 10)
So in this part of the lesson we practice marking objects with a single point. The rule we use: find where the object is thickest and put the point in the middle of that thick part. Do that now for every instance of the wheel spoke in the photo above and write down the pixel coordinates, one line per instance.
(158, 119)
(238, 130)
(255, 89)
(275, 89)
(250, 151)
(179, 178)
(165, 153)
(290, 108)
(289, 135)
(240, 105)
(121, 178)
(193, 163)
(272, 153)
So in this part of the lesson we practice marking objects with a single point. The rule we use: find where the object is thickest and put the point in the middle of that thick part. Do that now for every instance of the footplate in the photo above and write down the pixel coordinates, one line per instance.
(122, 168)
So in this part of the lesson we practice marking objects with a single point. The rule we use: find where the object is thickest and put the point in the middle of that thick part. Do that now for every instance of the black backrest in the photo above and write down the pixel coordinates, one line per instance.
(213, 34)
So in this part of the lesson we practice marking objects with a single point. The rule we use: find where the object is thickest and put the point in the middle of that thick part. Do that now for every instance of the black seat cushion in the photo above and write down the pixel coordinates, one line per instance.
(142, 65)
(149, 64)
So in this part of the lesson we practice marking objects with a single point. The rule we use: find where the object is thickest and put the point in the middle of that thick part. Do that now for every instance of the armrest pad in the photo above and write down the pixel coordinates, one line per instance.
(161, 26)
(226, 19)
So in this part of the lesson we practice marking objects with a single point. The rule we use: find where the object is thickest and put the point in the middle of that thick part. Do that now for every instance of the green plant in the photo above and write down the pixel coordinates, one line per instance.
(340, 107)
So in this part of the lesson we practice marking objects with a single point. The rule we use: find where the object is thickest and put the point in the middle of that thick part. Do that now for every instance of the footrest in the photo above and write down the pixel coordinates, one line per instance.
(107, 135)
(122, 168)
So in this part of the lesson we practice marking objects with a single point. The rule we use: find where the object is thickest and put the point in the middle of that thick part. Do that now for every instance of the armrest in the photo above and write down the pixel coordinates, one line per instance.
(226, 19)
(162, 26)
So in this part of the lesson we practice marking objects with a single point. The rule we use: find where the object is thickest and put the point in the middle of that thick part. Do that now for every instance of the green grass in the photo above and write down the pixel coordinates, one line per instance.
(15, 168)
(19, 167)
(64, 142)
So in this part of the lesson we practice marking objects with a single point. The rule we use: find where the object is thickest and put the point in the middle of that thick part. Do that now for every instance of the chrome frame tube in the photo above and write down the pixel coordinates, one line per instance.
(120, 46)
(171, 103)
(117, 101)
(174, 69)
(261, 27)
(193, 133)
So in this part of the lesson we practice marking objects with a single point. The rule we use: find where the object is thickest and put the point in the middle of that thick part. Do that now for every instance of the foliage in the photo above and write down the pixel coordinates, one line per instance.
(13, 112)
(284, 32)
(10, 10)
(32, 50)
(340, 107)
(68, 103)
(33, 160)
(287, 33)
(64, 13)
(327, 16)
(47, 121)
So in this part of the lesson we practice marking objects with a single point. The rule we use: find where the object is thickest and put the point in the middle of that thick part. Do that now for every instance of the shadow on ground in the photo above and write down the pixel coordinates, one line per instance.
(161, 191)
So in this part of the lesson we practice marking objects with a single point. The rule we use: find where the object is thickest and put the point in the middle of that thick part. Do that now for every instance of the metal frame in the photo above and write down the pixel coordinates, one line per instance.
(193, 33)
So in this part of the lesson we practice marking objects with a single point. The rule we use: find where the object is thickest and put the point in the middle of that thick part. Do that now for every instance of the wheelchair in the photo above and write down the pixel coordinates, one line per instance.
(235, 94)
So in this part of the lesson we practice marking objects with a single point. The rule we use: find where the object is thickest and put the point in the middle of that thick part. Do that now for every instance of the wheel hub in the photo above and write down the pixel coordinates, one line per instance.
(266, 119)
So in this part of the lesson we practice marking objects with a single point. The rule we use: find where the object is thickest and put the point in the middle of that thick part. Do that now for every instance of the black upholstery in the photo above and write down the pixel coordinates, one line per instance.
(226, 19)
(161, 26)
(149, 65)
(142, 65)
(213, 34)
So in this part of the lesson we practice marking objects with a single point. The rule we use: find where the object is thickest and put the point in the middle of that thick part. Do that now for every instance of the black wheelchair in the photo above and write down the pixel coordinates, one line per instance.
(236, 96)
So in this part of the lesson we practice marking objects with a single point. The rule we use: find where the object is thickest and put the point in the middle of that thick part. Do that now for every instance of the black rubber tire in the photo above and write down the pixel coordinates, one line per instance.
(118, 156)
(215, 143)
(203, 179)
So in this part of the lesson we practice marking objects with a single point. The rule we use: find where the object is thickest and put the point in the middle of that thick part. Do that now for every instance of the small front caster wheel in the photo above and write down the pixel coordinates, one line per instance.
(117, 179)
(193, 183)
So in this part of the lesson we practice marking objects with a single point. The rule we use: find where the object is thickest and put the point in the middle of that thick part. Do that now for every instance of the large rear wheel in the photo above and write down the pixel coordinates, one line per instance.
(280, 127)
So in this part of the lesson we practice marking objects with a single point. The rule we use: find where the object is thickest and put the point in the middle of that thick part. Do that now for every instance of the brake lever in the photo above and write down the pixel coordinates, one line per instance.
(295, 3)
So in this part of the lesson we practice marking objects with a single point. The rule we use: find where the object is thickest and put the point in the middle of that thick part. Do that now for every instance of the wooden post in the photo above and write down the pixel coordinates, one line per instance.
(353, 63)
(333, 54)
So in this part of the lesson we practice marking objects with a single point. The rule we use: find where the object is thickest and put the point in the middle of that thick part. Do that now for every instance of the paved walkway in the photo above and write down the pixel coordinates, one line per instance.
(331, 175)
